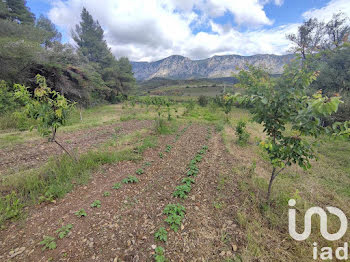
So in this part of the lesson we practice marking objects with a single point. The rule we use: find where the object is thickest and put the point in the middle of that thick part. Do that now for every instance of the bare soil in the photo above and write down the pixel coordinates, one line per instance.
(34, 153)
(123, 228)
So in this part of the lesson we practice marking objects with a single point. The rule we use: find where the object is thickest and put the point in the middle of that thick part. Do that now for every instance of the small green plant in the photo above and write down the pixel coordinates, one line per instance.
(198, 158)
(117, 186)
(242, 133)
(193, 170)
(176, 213)
(106, 194)
(205, 147)
(161, 234)
(182, 191)
(48, 242)
(188, 180)
(161, 155)
(202, 152)
(159, 256)
(139, 171)
(147, 163)
(80, 213)
(64, 231)
(130, 179)
(10, 206)
(96, 203)
(168, 148)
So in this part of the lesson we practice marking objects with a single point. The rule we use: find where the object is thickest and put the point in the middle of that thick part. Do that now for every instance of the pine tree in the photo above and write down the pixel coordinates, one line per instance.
(18, 11)
(89, 37)
(52, 35)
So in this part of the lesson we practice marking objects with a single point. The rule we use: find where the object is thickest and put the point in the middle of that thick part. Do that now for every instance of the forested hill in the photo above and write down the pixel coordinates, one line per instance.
(88, 73)
(179, 67)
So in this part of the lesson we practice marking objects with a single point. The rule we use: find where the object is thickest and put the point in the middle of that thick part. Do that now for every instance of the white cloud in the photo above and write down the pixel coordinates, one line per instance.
(325, 13)
(153, 29)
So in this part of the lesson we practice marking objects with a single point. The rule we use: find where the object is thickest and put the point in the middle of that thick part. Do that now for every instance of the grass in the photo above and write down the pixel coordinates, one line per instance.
(266, 228)
(58, 177)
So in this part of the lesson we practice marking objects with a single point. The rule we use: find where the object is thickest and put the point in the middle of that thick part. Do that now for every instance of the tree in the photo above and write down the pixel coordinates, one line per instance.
(126, 74)
(280, 103)
(338, 30)
(48, 107)
(19, 12)
(53, 35)
(308, 38)
(89, 37)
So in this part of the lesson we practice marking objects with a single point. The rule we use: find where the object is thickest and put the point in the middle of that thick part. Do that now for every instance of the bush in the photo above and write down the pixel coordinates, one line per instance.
(242, 133)
(203, 100)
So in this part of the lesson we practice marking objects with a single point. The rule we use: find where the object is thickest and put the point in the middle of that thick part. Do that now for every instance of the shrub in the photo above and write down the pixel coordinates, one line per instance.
(242, 133)
(203, 100)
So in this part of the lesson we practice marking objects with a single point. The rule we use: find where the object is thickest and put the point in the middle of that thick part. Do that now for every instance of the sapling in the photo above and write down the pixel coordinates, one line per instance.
(288, 115)
(48, 107)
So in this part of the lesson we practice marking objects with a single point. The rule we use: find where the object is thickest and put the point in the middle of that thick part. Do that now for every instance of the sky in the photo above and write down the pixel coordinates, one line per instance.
(149, 30)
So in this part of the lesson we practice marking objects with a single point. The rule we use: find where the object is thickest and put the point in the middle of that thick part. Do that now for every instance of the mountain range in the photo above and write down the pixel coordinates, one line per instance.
(180, 67)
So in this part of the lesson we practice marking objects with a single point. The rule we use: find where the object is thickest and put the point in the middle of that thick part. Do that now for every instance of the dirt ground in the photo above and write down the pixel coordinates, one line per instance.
(32, 154)
(123, 228)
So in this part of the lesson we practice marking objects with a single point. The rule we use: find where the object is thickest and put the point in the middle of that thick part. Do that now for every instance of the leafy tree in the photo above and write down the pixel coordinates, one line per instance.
(48, 107)
(280, 103)
(7, 101)
(308, 37)
(338, 30)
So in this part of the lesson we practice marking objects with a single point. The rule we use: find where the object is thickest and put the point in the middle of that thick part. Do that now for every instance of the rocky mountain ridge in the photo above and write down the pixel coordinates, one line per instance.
(180, 67)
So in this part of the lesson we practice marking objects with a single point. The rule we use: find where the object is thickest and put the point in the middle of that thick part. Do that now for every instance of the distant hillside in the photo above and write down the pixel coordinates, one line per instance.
(179, 67)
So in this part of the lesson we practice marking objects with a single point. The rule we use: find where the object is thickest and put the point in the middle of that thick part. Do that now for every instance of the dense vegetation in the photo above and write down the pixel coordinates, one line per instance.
(88, 74)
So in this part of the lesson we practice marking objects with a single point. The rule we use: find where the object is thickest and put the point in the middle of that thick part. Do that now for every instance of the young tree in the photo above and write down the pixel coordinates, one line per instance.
(280, 103)
(48, 107)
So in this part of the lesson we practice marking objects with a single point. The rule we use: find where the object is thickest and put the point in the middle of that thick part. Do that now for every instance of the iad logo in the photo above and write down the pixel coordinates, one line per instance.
(323, 220)
(341, 252)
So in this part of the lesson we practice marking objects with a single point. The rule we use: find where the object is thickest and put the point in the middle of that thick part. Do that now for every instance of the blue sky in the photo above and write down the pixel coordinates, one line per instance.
(153, 29)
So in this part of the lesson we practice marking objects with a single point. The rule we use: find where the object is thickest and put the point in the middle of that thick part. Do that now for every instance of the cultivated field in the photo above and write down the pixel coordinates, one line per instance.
(184, 190)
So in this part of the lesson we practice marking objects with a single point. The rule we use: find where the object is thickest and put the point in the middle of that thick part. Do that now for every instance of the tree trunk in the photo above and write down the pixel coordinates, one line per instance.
(273, 176)
(65, 150)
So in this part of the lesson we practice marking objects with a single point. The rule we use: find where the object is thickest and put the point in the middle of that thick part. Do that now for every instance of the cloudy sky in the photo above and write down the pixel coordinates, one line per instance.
(148, 30)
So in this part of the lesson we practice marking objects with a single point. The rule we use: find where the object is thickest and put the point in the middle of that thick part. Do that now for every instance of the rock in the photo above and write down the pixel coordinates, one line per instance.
(196, 208)
(223, 253)
(153, 246)
(182, 227)
(234, 247)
